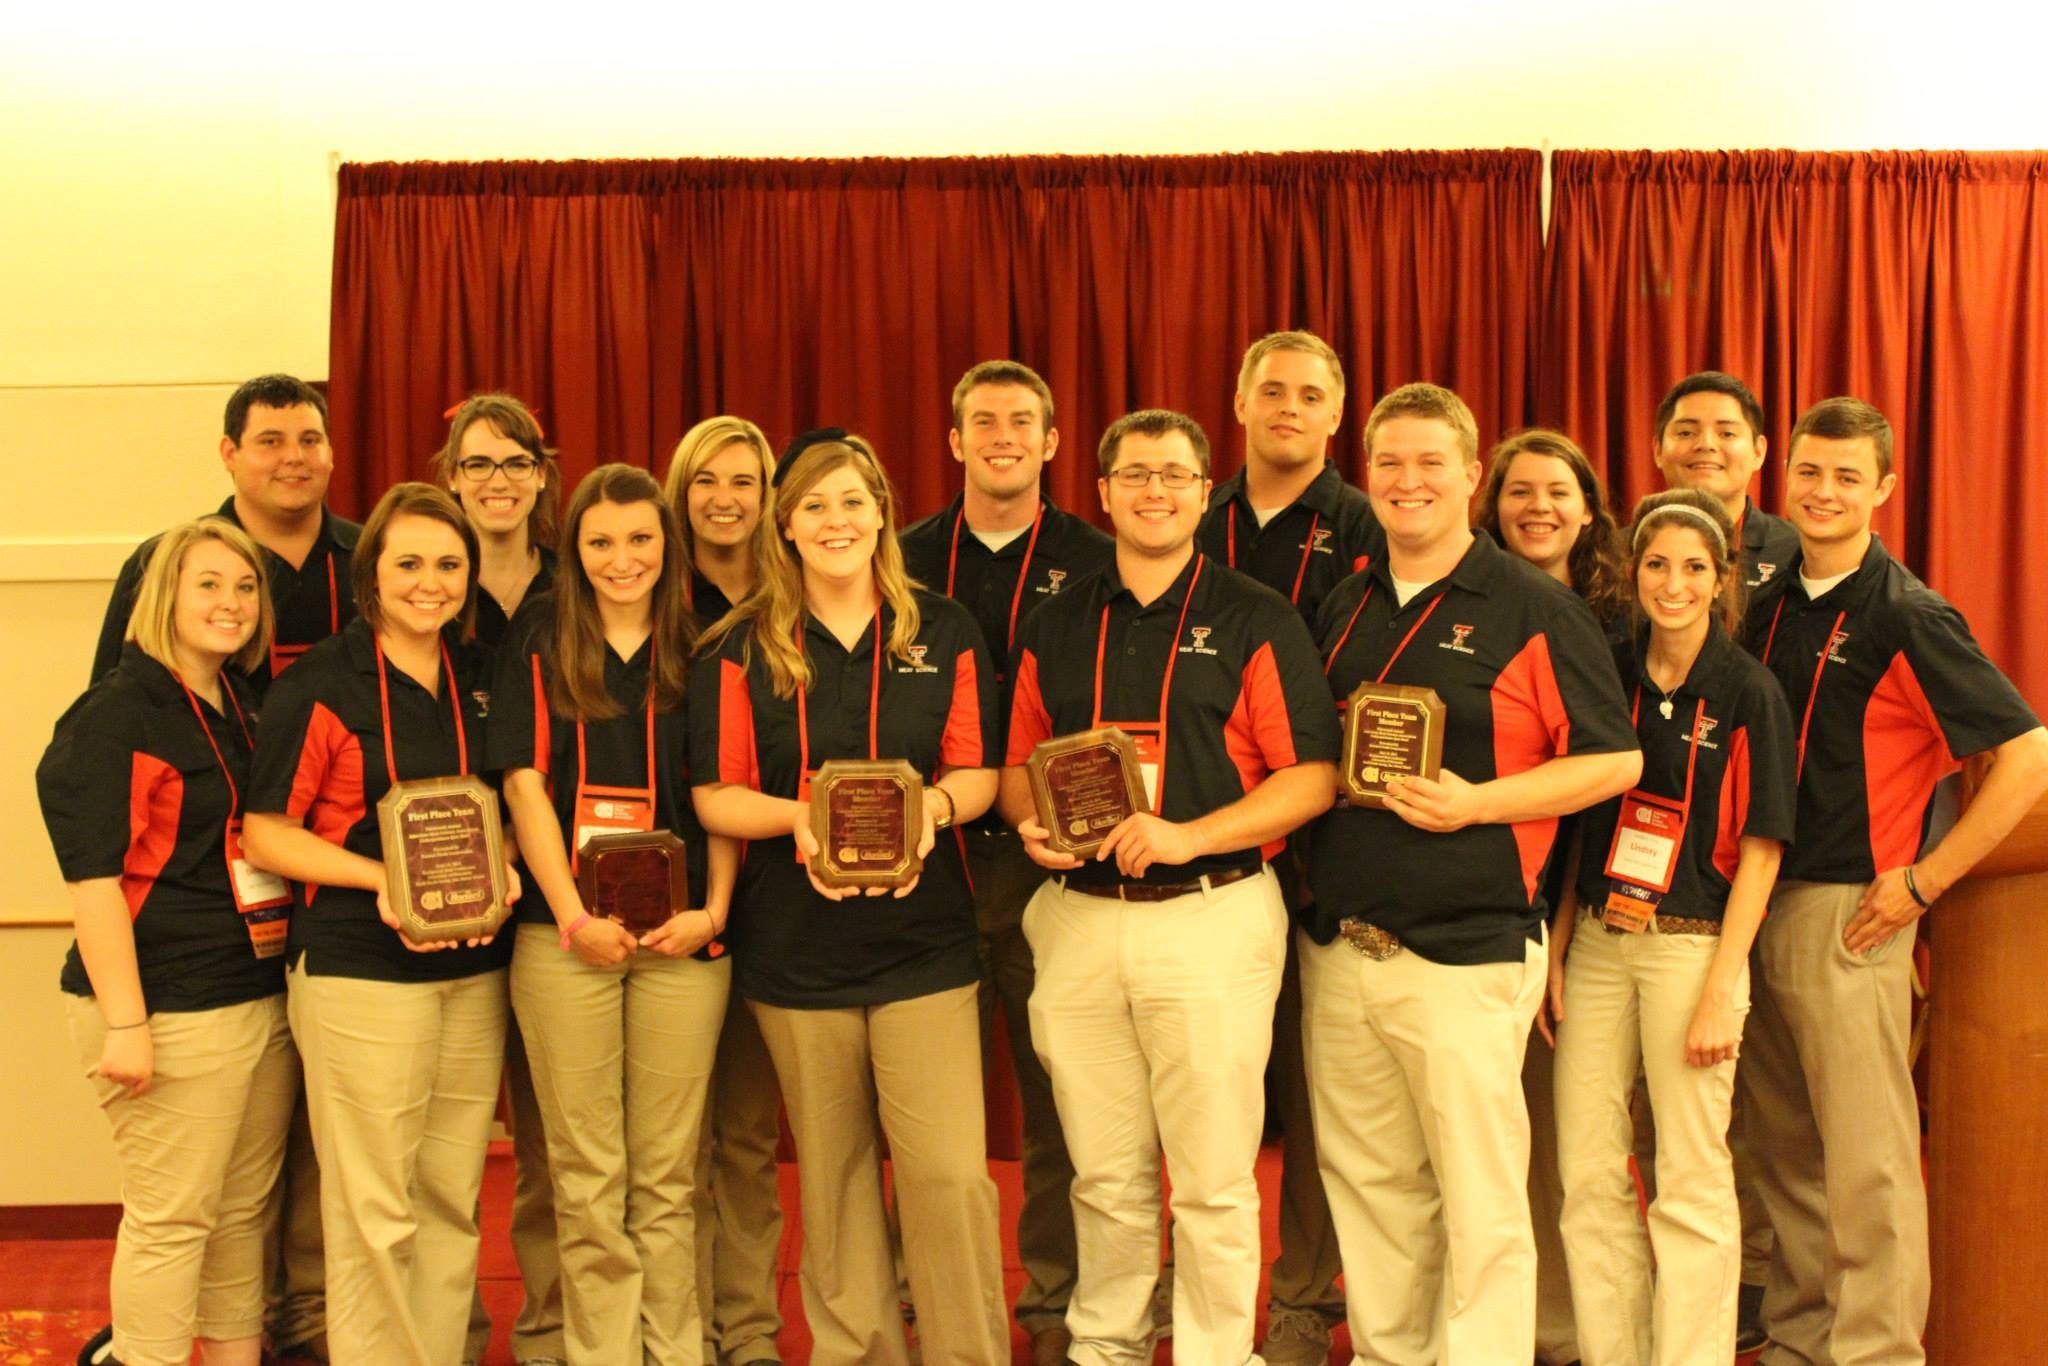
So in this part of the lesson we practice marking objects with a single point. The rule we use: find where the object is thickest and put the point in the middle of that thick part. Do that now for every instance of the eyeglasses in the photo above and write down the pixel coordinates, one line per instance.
(478, 469)
(1175, 477)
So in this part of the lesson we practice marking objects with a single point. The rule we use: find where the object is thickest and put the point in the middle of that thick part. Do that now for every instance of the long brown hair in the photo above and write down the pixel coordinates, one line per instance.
(1598, 561)
(575, 664)
(776, 607)
(1685, 508)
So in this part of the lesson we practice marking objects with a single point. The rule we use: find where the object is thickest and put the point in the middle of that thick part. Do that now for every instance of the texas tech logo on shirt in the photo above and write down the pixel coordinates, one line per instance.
(1835, 644)
(1319, 542)
(1457, 641)
(482, 698)
(1199, 641)
(917, 664)
(1764, 572)
(1053, 579)
(1703, 732)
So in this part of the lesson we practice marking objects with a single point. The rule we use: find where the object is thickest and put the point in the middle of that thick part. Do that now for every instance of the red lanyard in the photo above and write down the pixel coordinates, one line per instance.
(283, 656)
(1023, 570)
(803, 724)
(1364, 598)
(1692, 745)
(1308, 545)
(1165, 684)
(582, 782)
(384, 712)
(234, 802)
(1806, 717)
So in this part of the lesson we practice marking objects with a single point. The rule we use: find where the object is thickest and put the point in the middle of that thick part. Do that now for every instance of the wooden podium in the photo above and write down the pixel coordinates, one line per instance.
(1987, 1184)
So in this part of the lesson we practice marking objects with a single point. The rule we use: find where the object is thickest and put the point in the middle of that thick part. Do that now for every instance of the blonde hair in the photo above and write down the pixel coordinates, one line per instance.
(1427, 400)
(153, 623)
(703, 441)
(1308, 343)
(776, 607)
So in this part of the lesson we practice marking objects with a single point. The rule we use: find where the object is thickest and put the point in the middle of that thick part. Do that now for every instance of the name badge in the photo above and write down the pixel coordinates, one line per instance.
(1643, 859)
(604, 811)
(1149, 759)
(262, 897)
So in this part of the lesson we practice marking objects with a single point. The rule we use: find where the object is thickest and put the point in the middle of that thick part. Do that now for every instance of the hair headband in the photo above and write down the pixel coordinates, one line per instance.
(1685, 509)
(817, 436)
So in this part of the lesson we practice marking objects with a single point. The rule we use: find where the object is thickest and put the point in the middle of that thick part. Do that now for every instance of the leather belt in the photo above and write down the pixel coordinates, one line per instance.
(1370, 940)
(1666, 924)
(1157, 891)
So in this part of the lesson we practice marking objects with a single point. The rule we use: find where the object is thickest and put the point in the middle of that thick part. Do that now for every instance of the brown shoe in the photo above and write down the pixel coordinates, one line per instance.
(1049, 1345)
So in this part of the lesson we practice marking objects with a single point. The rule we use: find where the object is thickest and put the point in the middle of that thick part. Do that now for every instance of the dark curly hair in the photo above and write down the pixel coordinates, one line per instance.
(1598, 563)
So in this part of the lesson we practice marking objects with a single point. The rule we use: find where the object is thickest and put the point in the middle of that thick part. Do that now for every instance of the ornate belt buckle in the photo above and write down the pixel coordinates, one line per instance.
(1370, 940)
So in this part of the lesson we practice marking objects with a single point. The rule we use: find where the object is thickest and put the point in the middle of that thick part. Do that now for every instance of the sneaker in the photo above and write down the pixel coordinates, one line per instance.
(98, 1349)
(1295, 1337)
(1749, 1318)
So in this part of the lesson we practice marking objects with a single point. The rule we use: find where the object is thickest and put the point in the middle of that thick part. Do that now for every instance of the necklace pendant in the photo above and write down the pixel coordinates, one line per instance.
(1664, 708)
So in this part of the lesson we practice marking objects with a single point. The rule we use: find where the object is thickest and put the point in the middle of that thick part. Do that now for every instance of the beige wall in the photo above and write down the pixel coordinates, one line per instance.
(169, 191)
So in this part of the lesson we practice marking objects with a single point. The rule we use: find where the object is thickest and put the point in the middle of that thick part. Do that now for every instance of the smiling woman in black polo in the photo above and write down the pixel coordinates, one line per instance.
(868, 1002)
(401, 1046)
(176, 982)
(1672, 880)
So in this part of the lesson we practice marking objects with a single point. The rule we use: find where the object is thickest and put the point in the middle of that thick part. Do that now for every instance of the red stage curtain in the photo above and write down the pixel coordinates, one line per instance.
(626, 300)
(1915, 280)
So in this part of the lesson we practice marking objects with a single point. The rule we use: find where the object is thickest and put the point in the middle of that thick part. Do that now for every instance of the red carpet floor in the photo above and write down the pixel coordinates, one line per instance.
(56, 1292)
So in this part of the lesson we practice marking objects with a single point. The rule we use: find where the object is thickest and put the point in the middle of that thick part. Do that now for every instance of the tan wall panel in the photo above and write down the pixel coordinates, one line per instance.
(54, 1144)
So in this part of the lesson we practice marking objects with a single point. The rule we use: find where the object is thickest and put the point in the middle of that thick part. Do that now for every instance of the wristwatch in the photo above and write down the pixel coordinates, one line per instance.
(941, 822)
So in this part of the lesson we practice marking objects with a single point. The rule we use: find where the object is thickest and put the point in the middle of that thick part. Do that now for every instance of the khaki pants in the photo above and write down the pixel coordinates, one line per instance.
(1830, 1106)
(1155, 1021)
(402, 1083)
(622, 1063)
(918, 1064)
(1305, 1272)
(294, 1250)
(1629, 1001)
(1004, 879)
(739, 1197)
(537, 1332)
(200, 1153)
(1415, 1072)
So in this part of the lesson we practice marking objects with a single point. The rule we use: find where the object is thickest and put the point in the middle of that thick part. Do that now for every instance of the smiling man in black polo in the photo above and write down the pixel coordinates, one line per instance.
(1889, 692)
(1000, 549)
(1709, 435)
(1423, 955)
(1159, 960)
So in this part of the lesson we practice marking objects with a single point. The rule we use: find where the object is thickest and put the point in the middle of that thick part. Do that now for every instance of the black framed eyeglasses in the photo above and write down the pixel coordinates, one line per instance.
(478, 469)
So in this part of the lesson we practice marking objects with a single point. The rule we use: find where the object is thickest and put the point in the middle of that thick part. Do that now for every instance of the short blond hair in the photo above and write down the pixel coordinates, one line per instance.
(1308, 343)
(1426, 400)
(153, 623)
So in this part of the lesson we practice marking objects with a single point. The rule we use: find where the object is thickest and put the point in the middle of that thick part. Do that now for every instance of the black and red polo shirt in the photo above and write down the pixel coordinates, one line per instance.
(1001, 587)
(1729, 716)
(1305, 549)
(320, 760)
(1769, 545)
(131, 789)
(1525, 676)
(1889, 693)
(311, 601)
(790, 946)
(529, 729)
(708, 601)
(1246, 697)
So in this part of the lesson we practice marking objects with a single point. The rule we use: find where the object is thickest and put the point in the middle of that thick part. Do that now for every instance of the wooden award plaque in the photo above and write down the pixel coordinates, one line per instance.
(1391, 730)
(867, 816)
(638, 878)
(1084, 785)
(444, 857)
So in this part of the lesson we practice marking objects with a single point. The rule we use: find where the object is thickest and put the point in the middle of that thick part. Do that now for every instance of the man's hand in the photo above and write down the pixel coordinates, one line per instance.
(1448, 803)
(1885, 908)
(1143, 839)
